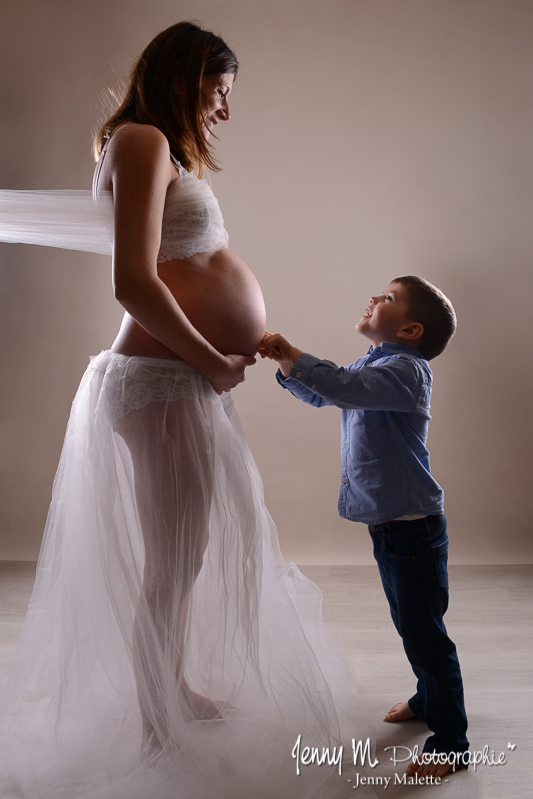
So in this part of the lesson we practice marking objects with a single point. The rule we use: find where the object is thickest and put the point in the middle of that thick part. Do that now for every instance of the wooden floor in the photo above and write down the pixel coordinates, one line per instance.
(489, 620)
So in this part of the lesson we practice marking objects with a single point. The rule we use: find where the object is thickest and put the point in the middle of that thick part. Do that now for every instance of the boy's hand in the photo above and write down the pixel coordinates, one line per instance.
(277, 348)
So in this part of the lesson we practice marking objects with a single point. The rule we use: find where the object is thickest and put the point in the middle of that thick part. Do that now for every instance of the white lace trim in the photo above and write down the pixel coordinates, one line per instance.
(132, 383)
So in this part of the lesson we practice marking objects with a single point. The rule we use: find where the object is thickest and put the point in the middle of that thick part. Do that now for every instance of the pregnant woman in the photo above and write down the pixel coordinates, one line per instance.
(167, 650)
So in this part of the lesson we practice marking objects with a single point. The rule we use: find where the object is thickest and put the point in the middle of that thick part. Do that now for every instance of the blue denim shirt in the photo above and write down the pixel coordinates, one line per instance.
(385, 398)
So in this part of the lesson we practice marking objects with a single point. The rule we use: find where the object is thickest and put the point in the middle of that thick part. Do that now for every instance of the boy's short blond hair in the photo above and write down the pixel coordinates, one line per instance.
(429, 306)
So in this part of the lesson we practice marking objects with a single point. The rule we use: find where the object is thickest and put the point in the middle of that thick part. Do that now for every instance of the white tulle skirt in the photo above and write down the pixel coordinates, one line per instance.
(167, 653)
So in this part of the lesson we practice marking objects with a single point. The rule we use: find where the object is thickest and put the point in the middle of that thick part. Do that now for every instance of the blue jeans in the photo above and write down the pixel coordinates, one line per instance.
(412, 559)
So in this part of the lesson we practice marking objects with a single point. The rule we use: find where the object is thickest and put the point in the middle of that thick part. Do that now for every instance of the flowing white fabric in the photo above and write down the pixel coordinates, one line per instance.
(168, 652)
(68, 218)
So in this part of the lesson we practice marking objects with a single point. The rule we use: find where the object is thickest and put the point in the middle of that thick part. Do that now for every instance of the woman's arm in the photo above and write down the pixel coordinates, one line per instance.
(140, 173)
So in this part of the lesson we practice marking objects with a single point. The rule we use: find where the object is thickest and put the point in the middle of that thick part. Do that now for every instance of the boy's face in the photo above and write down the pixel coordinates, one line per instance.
(386, 316)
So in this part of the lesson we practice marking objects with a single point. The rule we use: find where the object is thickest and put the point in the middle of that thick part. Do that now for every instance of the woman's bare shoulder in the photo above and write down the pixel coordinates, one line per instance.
(137, 146)
(132, 136)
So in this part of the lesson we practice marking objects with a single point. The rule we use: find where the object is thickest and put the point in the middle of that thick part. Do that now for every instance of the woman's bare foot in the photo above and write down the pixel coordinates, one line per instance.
(151, 746)
(202, 708)
(400, 712)
(199, 707)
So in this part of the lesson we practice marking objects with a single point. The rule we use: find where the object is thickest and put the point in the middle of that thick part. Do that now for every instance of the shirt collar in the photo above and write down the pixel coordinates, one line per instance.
(386, 347)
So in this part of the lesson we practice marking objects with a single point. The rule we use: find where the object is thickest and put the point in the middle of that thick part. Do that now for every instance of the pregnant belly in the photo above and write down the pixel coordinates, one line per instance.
(219, 295)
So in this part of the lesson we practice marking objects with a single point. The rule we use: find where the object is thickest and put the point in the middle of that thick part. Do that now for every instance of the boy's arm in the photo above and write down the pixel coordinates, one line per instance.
(278, 349)
(301, 392)
(399, 384)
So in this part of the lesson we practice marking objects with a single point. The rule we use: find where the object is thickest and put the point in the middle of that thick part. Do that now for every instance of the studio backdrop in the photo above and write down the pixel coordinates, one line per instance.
(368, 139)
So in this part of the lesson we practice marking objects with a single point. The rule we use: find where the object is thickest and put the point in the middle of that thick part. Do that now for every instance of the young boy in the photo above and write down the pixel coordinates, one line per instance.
(386, 483)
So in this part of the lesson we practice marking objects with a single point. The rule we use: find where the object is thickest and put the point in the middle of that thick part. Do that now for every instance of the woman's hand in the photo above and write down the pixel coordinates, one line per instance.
(231, 373)
(277, 348)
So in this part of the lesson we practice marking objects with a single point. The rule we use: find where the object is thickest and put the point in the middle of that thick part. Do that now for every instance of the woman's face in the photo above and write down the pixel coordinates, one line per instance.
(216, 89)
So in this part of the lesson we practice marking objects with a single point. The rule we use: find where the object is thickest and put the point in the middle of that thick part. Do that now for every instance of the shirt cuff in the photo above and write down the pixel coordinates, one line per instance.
(303, 367)
(280, 377)
(286, 382)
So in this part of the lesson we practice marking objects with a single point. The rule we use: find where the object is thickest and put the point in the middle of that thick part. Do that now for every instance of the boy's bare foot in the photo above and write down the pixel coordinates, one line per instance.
(431, 770)
(400, 712)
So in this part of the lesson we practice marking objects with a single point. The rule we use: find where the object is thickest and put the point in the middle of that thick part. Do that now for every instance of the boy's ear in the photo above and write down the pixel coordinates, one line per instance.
(411, 332)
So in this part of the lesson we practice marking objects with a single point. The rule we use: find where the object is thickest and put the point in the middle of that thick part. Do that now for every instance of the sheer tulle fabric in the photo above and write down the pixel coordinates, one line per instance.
(167, 651)
(67, 218)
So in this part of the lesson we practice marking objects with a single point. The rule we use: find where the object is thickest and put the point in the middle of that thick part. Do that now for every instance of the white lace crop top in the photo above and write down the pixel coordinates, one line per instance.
(192, 219)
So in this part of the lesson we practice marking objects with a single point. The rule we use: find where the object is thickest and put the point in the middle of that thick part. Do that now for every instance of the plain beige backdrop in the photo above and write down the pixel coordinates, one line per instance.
(368, 139)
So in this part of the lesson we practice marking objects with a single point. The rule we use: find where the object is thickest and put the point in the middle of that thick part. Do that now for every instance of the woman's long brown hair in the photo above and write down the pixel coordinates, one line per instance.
(165, 90)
